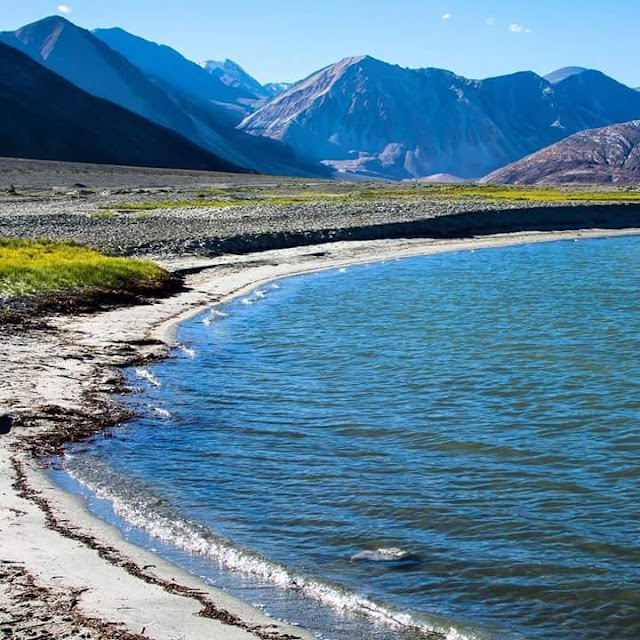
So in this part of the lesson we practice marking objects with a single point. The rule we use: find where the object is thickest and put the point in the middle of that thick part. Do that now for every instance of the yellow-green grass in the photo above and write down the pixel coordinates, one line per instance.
(538, 194)
(283, 196)
(39, 266)
(499, 192)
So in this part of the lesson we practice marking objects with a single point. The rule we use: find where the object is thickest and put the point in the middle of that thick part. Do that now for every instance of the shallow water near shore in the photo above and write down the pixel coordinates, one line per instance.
(448, 442)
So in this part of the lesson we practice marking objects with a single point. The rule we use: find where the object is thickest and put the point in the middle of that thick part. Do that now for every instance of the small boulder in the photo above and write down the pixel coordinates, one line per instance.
(5, 423)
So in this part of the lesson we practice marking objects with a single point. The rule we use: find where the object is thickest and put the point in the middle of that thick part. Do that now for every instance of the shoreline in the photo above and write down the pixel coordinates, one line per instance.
(67, 376)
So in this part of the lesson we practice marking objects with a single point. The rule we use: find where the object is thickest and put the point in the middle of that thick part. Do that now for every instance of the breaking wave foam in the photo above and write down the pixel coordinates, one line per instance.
(197, 539)
(145, 374)
(188, 351)
(214, 314)
(163, 413)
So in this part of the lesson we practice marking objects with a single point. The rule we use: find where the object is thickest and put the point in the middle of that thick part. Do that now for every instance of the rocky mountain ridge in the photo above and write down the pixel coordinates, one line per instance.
(363, 116)
(609, 155)
(95, 67)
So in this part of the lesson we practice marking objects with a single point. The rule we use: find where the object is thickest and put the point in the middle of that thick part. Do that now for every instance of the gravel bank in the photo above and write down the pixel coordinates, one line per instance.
(88, 203)
(207, 231)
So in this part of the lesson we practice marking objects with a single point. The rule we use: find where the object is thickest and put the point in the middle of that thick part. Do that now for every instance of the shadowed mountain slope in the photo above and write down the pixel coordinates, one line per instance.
(43, 116)
(89, 63)
(172, 69)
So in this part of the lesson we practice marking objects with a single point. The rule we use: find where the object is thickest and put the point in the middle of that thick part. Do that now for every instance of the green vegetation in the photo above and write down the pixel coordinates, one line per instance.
(500, 192)
(280, 195)
(537, 194)
(34, 266)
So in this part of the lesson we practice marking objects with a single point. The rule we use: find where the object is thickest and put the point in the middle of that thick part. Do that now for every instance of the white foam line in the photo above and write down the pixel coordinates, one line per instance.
(145, 374)
(163, 413)
(188, 351)
(213, 315)
(178, 533)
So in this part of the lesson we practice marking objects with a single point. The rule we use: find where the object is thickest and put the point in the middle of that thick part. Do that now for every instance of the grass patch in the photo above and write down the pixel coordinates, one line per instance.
(41, 266)
(500, 193)
(292, 195)
(539, 194)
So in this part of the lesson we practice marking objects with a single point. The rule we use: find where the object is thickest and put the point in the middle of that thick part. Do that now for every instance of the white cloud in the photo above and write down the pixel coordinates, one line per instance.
(64, 8)
(516, 27)
(446, 16)
(491, 22)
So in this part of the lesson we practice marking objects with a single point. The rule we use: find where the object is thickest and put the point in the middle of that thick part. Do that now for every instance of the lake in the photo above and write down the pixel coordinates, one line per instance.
(448, 443)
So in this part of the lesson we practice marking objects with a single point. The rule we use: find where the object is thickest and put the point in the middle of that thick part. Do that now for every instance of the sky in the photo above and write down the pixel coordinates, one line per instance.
(286, 40)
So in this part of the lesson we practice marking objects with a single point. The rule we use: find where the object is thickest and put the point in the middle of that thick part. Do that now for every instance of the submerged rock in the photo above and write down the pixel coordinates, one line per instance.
(392, 554)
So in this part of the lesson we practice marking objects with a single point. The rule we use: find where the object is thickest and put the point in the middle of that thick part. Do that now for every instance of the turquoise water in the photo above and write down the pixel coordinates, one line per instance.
(449, 442)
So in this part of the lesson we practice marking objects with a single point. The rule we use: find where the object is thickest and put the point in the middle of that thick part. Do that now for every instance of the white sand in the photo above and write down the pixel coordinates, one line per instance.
(72, 368)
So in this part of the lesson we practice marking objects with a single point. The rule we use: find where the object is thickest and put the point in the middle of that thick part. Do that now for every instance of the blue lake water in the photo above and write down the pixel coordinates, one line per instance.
(449, 442)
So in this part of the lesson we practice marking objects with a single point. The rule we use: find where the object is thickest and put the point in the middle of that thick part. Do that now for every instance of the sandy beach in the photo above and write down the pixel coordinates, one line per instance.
(66, 573)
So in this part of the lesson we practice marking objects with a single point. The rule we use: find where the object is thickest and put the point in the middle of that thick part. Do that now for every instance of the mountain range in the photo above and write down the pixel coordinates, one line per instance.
(368, 117)
(153, 82)
(233, 75)
(358, 117)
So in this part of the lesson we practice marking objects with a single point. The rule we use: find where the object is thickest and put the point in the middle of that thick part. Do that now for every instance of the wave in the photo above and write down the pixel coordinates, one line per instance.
(140, 510)
(188, 351)
(145, 374)
(213, 315)
(163, 413)
(392, 554)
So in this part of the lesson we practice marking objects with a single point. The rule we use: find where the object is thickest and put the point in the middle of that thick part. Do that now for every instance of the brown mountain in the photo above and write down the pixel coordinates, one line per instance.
(598, 156)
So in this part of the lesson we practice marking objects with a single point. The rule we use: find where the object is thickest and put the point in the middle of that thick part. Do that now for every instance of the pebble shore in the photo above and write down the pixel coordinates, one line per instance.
(88, 205)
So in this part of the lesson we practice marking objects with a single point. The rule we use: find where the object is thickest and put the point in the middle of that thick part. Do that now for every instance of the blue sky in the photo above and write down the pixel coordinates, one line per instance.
(288, 39)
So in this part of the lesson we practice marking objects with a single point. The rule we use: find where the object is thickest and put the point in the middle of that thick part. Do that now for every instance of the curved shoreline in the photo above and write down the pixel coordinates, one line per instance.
(68, 376)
